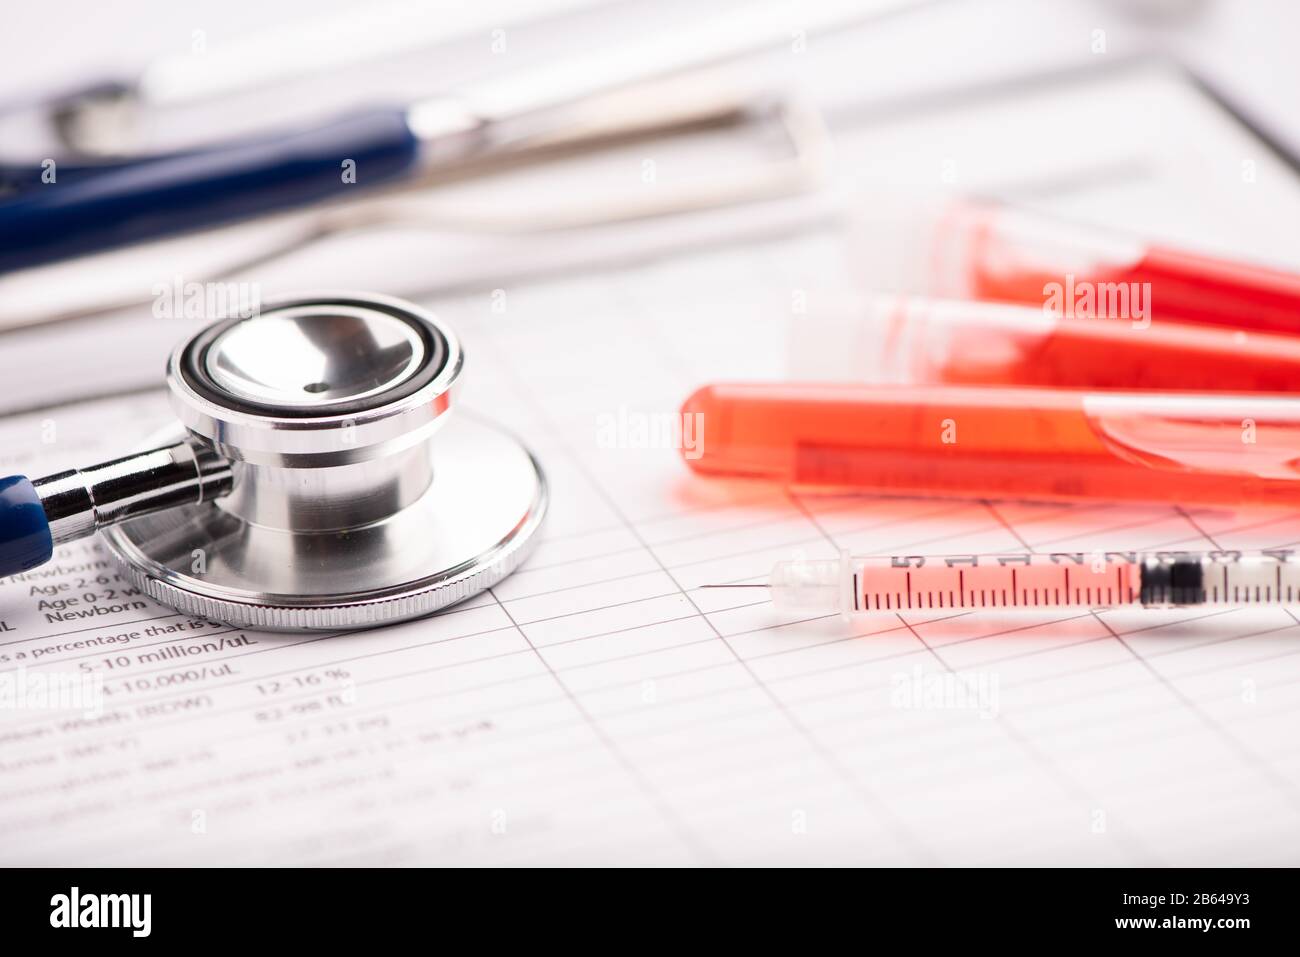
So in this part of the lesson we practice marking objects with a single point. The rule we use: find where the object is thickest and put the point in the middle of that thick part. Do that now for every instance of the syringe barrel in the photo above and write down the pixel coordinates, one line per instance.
(864, 585)
(972, 582)
(1223, 577)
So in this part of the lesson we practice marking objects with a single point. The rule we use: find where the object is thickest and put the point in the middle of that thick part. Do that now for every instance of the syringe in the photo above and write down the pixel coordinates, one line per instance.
(859, 585)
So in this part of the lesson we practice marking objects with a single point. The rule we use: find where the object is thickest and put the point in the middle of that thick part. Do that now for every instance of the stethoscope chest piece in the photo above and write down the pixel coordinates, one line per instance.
(334, 489)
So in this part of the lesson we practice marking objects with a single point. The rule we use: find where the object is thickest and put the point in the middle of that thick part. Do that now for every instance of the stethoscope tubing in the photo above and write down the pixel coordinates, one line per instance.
(90, 209)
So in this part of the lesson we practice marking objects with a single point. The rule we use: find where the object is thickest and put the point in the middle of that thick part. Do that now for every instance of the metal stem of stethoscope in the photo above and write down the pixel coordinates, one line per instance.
(80, 502)
(303, 492)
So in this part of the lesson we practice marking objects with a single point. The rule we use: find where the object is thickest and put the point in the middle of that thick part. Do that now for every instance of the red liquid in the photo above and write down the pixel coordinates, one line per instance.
(1042, 444)
(1185, 287)
(1039, 580)
(1113, 354)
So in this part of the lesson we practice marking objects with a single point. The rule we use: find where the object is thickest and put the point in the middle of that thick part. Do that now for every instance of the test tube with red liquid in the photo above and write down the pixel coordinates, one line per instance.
(917, 339)
(972, 249)
(1066, 445)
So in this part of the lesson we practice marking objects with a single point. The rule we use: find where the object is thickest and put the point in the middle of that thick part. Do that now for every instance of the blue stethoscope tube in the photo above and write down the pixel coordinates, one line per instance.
(25, 538)
(89, 209)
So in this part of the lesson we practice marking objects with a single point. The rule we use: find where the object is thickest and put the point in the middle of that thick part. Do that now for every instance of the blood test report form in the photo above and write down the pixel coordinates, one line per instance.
(599, 706)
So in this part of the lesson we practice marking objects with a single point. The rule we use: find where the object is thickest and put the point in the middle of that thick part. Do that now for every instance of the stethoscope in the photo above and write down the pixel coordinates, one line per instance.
(303, 492)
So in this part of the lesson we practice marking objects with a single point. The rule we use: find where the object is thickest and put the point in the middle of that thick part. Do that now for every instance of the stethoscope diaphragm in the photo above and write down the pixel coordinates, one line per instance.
(316, 479)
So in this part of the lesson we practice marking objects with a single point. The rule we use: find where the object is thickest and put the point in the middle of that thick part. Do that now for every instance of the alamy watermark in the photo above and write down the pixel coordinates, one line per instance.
(23, 690)
(133, 912)
(919, 690)
(179, 299)
(1086, 299)
(630, 429)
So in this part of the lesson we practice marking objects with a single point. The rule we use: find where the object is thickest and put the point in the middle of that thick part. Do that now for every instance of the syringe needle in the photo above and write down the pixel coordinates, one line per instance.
(736, 586)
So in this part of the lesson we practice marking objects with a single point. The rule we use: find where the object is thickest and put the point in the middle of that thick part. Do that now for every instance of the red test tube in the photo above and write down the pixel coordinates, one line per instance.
(994, 252)
(1023, 443)
(885, 338)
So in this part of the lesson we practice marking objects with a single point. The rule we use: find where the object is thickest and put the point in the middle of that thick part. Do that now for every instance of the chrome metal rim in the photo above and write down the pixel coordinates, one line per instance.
(472, 528)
